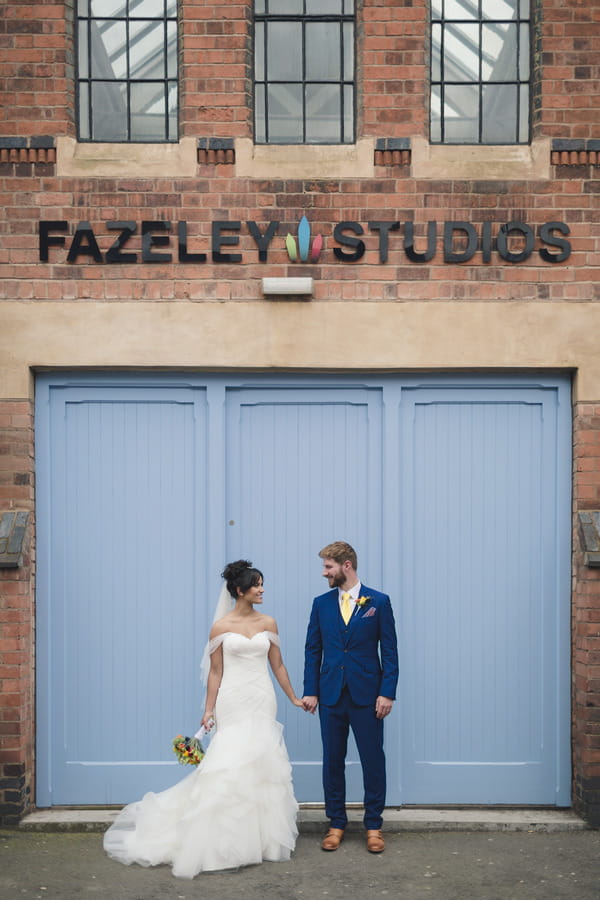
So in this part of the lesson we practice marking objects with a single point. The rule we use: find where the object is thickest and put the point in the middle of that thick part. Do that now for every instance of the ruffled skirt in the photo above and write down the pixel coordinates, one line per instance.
(235, 809)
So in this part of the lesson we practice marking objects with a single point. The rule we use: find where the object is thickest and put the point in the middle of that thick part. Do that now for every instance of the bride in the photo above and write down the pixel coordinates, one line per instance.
(238, 806)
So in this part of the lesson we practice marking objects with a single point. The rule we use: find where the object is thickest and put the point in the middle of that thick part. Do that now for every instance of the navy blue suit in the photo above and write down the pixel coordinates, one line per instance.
(347, 667)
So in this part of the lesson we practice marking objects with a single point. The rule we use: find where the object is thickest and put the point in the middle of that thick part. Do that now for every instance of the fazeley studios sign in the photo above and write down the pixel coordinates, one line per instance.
(159, 244)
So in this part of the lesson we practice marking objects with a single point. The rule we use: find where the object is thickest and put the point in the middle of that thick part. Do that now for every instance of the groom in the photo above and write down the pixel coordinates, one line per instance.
(350, 672)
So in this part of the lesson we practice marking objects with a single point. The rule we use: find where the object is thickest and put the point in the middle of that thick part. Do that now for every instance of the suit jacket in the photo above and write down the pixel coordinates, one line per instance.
(362, 654)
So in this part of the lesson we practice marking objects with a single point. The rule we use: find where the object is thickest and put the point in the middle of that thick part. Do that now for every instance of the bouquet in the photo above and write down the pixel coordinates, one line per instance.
(188, 750)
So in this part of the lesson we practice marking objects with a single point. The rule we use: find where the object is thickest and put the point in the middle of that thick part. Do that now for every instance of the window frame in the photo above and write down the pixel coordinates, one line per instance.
(168, 80)
(347, 121)
(519, 83)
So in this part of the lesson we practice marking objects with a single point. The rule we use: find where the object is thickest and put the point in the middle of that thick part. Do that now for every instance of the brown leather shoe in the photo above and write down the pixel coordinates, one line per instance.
(375, 841)
(332, 839)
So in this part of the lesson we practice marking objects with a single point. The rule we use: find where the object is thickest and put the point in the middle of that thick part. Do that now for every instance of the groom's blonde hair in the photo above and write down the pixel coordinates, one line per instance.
(340, 551)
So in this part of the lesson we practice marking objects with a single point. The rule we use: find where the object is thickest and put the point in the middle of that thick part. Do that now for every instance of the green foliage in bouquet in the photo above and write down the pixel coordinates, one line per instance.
(188, 750)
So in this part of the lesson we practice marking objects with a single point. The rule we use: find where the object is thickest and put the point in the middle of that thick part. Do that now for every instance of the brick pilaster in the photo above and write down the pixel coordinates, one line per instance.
(17, 709)
(586, 621)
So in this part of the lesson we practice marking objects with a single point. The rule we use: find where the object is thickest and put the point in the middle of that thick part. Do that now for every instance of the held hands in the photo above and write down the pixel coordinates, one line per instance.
(310, 704)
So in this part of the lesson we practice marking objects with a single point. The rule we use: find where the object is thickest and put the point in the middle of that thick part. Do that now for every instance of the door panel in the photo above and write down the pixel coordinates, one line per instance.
(291, 457)
(120, 616)
(480, 657)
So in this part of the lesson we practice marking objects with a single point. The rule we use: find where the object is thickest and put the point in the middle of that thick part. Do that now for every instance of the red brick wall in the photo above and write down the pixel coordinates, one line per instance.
(216, 102)
(586, 620)
(216, 69)
(17, 708)
(393, 60)
(36, 68)
(567, 53)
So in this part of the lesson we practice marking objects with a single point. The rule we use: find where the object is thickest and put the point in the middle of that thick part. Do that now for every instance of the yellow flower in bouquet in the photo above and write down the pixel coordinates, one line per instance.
(188, 750)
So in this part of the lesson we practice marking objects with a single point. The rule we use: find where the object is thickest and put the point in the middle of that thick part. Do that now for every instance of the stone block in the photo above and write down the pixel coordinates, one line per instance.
(589, 530)
(13, 525)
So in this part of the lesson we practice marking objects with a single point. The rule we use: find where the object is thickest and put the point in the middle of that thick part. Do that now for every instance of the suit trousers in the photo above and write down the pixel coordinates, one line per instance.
(367, 729)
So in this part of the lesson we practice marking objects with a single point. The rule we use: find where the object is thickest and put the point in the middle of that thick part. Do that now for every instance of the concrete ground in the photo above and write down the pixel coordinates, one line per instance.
(430, 855)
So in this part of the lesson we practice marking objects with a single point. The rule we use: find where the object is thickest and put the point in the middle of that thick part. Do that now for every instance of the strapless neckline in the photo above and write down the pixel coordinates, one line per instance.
(239, 634)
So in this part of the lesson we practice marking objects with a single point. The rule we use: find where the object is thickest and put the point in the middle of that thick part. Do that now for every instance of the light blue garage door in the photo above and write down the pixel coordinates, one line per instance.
(455, 491)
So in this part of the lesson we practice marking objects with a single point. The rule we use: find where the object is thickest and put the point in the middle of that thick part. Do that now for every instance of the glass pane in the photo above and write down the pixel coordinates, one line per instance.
(285, 7)
(259, 52)
(146, 50)
(84, 112)
(461, 114)
(172, 8)
(348, 136)
(323, 51)
(499, 104)
(461, 9)
(285, 114)
(147, 112)
(148, 9)
(172, 108)
(108, 8)
(260, 131)
(324, 7)
(323, 114)
(109, 57)
(82, 7)
(524, 9)
(109, 105)
(499, 9)
(348, 32)
(524, 55)
(524, 114)
(348, 7)
(461, 52)
(436, 9)
(436, 116)
(284, 51)
(172, 49)
(82, 50)
(499, 52)
(436, 42)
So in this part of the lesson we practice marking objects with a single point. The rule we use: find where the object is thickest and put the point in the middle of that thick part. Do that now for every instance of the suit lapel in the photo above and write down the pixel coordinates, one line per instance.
(357, 609)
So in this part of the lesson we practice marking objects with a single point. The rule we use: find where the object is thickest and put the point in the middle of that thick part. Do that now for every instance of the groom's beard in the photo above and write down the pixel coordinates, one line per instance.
(335, 580)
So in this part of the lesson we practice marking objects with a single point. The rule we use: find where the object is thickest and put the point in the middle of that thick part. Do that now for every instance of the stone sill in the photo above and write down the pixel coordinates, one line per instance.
(296, 161)
(470, 162)
(90, 160)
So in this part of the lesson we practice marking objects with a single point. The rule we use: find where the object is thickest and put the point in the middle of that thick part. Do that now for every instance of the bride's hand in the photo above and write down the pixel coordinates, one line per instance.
(208, 720)
(298, 703)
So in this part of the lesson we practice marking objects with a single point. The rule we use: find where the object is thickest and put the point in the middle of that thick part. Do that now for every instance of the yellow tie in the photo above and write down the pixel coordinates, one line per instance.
(346, 607)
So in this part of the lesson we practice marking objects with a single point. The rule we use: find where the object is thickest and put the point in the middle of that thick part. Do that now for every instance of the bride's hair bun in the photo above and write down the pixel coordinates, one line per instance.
(235, 569)
(240, 574)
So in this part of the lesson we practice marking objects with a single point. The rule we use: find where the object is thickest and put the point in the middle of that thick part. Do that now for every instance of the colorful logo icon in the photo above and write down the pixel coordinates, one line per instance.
(302, 249)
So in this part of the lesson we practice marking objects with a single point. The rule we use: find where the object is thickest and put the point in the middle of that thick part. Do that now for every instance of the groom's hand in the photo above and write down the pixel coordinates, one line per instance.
(310, 704)
(383, 707)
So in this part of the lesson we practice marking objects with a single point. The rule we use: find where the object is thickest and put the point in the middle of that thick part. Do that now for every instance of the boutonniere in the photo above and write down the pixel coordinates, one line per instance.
(362, 601)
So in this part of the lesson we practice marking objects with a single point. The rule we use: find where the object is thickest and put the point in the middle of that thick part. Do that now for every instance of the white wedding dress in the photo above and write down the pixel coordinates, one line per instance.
(238, 806)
